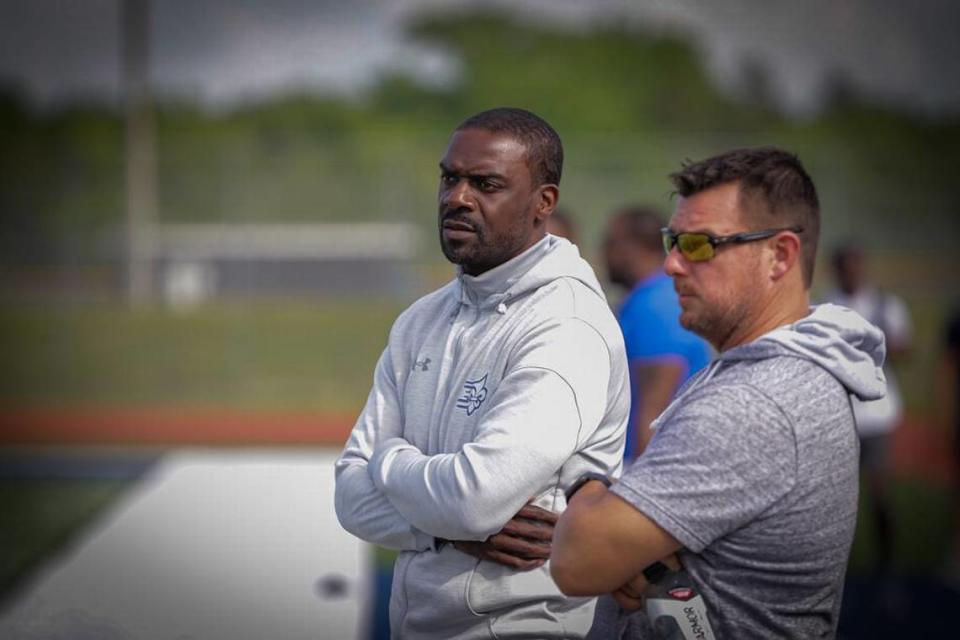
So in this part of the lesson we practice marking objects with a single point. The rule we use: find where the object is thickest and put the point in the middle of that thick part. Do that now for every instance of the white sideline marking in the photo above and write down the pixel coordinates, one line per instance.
(211, 545)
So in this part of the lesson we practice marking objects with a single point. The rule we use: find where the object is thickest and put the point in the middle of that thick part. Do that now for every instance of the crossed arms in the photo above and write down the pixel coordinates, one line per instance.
(390, 493)
(602, 544)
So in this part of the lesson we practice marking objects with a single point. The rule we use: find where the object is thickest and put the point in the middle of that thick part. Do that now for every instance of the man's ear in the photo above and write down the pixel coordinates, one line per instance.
(549, 195)
(786, 254)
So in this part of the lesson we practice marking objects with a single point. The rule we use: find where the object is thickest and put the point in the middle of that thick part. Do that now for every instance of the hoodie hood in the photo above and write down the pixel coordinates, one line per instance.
(838, 339)
(550, 259)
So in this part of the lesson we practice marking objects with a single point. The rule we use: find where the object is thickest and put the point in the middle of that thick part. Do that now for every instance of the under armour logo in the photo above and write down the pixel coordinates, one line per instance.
(474, 393)
(422, 364)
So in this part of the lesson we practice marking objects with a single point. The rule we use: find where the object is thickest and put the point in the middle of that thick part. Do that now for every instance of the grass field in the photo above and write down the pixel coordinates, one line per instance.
(41, 516)
(292, 356)
(314, 356)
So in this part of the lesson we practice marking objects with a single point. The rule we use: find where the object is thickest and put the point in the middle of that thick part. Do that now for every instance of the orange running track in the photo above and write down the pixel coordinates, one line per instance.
(170, 426)
(918, 451)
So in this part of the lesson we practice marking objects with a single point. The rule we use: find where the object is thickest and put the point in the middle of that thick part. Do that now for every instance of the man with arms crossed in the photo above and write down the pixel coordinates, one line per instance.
(499, 389)
(751, 475)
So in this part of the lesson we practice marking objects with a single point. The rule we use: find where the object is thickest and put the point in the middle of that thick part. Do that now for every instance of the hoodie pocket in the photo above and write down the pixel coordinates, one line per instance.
(433, 589)
(526, 604)
(493, 587)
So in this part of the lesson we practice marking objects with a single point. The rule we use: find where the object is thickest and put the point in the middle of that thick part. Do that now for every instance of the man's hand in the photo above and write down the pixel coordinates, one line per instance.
(523, 543)
(632, 595)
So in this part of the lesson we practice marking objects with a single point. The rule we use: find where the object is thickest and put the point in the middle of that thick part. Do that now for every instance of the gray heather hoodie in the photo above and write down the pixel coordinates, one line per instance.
(492, 390)
(753, 468)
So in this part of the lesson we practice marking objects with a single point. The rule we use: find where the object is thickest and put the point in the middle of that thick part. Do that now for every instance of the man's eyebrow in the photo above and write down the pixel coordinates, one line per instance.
(472, 174)
(699, 230)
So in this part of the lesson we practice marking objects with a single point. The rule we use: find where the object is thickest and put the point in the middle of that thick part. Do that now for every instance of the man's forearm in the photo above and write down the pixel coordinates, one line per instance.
(601, 542)
(442, 494)
(571, 536)
(366, 513)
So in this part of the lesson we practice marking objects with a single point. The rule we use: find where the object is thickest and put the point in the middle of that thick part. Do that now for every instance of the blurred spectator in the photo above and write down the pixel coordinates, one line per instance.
(876, 420)
(561, 224)
(948, 405)
(662, 354)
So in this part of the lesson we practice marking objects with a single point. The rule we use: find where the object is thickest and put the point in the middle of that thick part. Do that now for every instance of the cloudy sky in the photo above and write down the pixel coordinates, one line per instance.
(223, 51)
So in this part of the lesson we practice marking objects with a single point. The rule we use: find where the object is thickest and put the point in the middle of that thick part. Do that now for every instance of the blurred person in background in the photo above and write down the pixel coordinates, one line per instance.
(561, 225)
(751, 475)
(878, 419)
(662, 354)
(948, 408)
(495, 394)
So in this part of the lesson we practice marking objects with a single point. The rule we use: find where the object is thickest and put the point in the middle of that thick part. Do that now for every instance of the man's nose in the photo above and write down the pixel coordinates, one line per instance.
(673, 263)
(456, 196)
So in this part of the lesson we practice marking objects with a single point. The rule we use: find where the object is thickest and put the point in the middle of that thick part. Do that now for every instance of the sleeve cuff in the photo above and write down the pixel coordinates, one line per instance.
(424, 541)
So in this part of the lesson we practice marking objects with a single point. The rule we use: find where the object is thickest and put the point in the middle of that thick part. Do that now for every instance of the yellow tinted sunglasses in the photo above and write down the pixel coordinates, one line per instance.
(699, 247)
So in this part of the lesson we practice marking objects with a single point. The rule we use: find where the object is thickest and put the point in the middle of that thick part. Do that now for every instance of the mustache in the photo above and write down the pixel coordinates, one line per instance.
(455, 217)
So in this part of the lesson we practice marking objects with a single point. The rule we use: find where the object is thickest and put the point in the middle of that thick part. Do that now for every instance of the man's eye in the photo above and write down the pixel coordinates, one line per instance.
(486, 185)
(448, 178)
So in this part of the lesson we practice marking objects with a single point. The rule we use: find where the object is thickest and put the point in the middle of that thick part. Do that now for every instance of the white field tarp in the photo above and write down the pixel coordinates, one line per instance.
(210, 545)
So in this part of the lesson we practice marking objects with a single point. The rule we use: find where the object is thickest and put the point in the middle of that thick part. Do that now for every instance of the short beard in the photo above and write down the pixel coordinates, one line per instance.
(459, 254)
(486, 252)
(716, 328)
(482, 255)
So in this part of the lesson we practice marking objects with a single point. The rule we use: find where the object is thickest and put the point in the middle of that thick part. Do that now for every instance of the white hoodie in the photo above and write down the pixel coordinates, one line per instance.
(492, 390)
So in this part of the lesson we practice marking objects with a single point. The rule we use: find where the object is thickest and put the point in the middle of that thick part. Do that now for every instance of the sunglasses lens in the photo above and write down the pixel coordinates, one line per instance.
(695, 247)
(667, 240)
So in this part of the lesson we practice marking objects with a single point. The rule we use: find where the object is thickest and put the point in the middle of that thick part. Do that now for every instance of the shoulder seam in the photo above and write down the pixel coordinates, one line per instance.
(573, 392)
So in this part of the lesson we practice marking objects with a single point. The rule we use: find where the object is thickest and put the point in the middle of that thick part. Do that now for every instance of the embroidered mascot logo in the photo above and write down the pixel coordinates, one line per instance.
(474, 393)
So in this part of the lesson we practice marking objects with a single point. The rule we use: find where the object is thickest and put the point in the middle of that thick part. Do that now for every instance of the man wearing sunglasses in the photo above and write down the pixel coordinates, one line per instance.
(751, 475)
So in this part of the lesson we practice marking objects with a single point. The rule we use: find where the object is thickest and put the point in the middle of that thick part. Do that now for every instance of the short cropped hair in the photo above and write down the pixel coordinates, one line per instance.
(775, 190)
(544, 149)
(643, 224)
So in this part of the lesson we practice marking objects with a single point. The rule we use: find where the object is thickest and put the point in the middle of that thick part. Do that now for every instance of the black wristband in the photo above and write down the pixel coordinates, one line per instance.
(584, 479)
(654, 572)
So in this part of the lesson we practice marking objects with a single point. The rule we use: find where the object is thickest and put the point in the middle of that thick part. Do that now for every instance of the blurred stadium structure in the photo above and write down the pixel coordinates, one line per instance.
(196, 262)
(230, 198)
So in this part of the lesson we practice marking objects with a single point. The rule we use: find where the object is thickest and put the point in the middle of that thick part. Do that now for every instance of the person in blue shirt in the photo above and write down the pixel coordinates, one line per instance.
(662, 354)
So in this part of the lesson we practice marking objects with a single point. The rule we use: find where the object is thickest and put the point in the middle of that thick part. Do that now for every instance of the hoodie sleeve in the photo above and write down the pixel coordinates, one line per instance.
(549, 402)
(361, 508)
